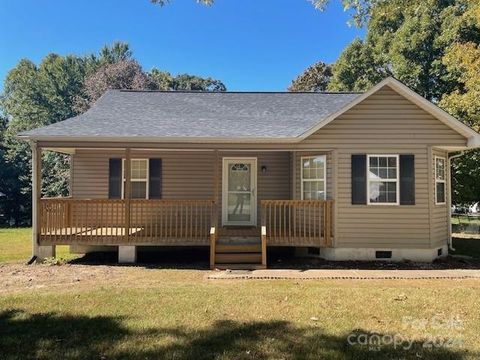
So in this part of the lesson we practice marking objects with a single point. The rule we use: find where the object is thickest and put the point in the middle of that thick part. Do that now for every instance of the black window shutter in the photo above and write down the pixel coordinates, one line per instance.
(359, 179)
(407, 180)
(155, 179)
(115, 178)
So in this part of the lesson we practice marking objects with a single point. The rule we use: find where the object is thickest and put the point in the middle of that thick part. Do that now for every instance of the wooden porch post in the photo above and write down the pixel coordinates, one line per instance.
(126, 193)
(216, 184)
(263, 235)
(36, 193)
(294, 176)
(214, 212)
(40, 252)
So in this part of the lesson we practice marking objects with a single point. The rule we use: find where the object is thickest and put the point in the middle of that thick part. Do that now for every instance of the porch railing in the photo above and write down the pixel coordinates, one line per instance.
(297, 222)
(170, 220)
(81, 220)
(175, 222)
(107, 221)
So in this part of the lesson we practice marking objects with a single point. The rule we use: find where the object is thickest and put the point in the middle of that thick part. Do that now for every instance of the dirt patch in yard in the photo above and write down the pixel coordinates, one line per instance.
(20, 276)
(16, 277)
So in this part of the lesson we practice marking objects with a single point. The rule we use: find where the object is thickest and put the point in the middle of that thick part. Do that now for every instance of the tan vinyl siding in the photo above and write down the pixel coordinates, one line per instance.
(382, 225)
(385, 119)
(91, 173)
(385, 123)
(185, 175)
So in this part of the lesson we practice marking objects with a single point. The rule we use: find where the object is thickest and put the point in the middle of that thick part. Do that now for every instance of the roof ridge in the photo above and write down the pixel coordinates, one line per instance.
(237, 92)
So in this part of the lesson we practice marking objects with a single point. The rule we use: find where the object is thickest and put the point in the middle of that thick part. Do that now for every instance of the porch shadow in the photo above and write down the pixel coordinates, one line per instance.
(55, 336)
(165, 258)
(283, 258)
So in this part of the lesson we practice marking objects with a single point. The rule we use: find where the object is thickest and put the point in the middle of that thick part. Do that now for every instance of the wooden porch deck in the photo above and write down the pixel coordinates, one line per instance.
(144, 237)
(66, 221)
(116, 236)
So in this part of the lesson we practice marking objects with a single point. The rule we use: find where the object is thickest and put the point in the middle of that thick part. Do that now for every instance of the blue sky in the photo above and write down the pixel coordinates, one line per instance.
(248, 44)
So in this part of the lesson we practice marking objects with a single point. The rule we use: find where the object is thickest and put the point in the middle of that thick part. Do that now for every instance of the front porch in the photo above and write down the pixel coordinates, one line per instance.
(265, 207)
(107, 222)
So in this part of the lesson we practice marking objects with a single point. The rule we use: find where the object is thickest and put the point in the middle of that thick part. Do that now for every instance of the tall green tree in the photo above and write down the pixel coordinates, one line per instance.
(407, 40)
(356, 69)
(7, 180)
(462, 61)
(58, 88)
(35, 96)
(165, 81)
(314, 78)
(433, 47)
(197, 83)
(118, 51)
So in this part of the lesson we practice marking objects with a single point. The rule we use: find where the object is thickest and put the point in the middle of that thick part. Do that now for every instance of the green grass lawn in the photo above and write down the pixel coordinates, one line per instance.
(153, 313)
(172, 314)
(464, 220)
(16, 245)
(466, 226)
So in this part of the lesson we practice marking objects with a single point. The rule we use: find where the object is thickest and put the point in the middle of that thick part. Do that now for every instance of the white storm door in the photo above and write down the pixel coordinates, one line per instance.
(239, 196)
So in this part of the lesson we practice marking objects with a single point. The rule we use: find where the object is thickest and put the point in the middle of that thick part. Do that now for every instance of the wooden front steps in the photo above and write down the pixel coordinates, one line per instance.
(238, 253)
(242, 248)
(240, 267)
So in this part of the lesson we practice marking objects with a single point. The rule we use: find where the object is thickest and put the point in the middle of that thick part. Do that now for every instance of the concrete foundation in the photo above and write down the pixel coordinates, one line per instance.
(127, 254)
(368, 254)
(43, 252)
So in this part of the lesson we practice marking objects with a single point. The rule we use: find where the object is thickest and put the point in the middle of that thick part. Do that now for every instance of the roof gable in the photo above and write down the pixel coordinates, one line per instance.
(401, 89)
(386, 119)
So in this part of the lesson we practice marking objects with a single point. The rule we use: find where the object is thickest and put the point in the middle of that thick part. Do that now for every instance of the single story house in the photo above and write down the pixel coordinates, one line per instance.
(349, 176)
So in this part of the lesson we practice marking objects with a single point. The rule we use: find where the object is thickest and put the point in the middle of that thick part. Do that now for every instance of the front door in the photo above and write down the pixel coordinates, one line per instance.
(239, 199)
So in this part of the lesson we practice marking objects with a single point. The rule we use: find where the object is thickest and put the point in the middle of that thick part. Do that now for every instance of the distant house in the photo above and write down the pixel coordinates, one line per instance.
(358, 176)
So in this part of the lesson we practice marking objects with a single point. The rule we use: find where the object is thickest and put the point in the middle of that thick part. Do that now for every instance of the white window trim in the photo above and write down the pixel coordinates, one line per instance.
(146, 180)
(444, 181)
(397, 180)
(318, 179)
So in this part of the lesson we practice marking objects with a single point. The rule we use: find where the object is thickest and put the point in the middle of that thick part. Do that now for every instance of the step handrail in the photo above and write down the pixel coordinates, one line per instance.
(264, 245)
(213, 242)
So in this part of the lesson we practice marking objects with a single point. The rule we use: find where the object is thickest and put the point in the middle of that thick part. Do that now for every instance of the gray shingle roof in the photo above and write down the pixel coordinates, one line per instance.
(151, 114)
